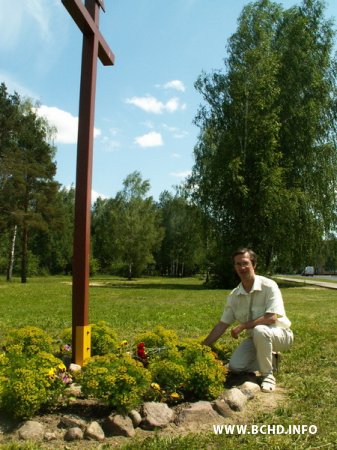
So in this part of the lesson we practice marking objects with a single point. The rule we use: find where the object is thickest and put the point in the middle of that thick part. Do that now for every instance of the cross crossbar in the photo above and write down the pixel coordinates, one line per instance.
(86, 24)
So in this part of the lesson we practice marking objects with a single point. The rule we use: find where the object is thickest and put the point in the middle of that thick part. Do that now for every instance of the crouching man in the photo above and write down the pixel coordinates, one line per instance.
(257, 304)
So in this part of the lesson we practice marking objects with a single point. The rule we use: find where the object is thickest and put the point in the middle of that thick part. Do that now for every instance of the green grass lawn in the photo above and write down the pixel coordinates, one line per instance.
(309, 370)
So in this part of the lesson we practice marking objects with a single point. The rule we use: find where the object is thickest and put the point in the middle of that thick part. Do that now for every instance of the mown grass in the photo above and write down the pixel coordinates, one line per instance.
(309, 370)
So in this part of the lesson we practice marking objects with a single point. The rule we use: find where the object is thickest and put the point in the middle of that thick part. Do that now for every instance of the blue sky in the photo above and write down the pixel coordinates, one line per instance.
(145, 103)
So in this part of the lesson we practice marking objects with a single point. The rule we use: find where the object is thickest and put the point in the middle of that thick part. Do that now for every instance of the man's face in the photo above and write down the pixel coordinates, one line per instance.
(244, 266)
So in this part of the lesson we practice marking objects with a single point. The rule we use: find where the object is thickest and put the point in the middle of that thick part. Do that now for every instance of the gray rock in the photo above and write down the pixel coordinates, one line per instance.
(222, 408)
(31, 430)
(235, 399)
(117, 425)
(71, 422)
(249, 389)
(197, 414)
(156, 415)
(94, 432)
(73, 390)
(50, 436)
(75, 367)
(73, 434)
(135, 417)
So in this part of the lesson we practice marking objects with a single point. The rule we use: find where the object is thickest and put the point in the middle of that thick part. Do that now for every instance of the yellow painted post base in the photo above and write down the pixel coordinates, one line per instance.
(83, 344)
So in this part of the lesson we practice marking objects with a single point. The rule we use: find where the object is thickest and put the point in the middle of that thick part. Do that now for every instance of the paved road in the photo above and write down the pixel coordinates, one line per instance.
(307, 280)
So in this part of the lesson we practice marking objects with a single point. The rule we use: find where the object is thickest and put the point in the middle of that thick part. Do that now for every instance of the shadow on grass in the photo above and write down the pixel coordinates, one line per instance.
(290, 284)
(235, 380)
(175, 286)
(168, 286)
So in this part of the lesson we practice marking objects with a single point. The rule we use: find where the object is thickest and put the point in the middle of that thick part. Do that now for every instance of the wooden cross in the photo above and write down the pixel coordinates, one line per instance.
(86, 17)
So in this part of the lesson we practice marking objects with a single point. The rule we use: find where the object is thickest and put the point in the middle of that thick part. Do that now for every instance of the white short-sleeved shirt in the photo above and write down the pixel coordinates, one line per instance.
(264, 297)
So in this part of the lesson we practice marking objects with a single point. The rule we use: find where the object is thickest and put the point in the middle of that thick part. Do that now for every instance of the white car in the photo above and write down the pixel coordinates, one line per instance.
(309, 271)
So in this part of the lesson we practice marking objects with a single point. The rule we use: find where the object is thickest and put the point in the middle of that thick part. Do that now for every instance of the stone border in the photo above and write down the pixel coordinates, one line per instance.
(151, 416)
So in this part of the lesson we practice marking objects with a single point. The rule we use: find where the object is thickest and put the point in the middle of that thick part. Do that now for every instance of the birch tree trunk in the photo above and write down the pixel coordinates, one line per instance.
(11, 255)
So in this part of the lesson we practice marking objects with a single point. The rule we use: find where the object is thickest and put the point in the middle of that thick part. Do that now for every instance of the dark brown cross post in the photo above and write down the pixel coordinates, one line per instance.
(86, 17)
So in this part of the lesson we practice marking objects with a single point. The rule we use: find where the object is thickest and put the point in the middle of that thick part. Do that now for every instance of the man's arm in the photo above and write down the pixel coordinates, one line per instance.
(217, 331)
(266, 319)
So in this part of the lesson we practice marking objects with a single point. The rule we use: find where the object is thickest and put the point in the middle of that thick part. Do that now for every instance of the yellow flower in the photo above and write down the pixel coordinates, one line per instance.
(155, 386)
(175, 395)
(51, 373)
(123, 343)
(61, 366)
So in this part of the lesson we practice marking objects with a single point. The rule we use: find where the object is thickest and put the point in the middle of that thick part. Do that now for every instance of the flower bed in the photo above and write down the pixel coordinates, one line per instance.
(34, 370)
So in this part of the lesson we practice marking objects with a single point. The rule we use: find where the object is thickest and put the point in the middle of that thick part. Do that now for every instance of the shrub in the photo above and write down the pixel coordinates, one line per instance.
(103, 339)
(28, 340)
(158, 338)
(3, 370)
(31, 382)
(206, 374)
(31, 378)
(120, 382)
(170, 376)
(206, 382)
(23, 393)
(223, 349)
(191, 371)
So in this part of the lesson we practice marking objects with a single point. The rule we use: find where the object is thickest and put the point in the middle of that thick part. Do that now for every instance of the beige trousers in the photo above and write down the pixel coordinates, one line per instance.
(255, 353)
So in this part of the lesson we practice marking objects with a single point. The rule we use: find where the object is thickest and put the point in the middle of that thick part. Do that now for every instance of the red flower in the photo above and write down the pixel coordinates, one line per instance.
(141, 351)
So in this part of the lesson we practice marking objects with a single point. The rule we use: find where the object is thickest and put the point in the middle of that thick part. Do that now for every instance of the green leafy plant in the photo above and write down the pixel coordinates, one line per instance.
(190, 371)
(206, 373)
(169, 374)
(103, 339)
(169, 380)
(30, 382)
(120, 382)
(28, 340)
(158, 338)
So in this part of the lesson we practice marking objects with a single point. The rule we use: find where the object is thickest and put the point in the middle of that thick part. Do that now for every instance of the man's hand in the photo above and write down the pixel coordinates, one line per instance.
(237, 330)
(217, 331)
(266, 319)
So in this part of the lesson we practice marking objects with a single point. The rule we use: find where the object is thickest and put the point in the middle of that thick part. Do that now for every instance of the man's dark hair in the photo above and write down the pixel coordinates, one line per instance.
(242, 251)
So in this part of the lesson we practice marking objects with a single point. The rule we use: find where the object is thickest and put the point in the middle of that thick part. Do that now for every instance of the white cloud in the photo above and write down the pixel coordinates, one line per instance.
(110, 145)
(95, 195)
(41, 14)
(175, 84)
(184, 174)
(13, 85)
(34, 31)
(176, 132)
(176, 155)
(148, 104)
(180, 134)
(149, 124)
(10, 23)
(109, 141)
(152, 139)
(19, 17)
(65, 123)
(172, 105)
(114, 131)
(151, 105)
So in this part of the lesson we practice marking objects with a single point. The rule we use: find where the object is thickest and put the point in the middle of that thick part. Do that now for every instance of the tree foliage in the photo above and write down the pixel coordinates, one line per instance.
(27, 186)
(182, 250)
(126, 229)
(265, 161)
